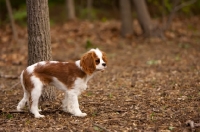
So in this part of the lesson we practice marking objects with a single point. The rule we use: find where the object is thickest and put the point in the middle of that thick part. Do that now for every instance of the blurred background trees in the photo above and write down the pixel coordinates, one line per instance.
(102, 10)
(70, 9)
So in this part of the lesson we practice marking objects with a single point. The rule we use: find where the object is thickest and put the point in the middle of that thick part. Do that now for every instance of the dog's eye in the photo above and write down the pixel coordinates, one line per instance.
(97, 61)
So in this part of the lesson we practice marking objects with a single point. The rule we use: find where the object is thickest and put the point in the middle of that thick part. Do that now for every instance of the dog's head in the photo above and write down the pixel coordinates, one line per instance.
(93, 60)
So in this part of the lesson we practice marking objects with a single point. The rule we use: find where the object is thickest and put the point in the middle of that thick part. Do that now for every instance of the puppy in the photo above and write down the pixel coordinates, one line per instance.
(70, 77)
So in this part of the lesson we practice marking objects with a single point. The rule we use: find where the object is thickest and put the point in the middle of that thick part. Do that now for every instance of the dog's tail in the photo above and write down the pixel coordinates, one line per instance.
(22, 80)
(22, 103)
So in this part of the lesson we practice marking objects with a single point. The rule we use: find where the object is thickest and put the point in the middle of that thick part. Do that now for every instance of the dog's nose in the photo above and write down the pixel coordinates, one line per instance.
(104, 64)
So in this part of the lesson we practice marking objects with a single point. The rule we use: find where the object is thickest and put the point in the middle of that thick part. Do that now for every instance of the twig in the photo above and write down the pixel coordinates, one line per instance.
(174, 10)
(103, 128)
(184, 4)
(13, 111)
(12, 86)
(9, 76)
(197, 124)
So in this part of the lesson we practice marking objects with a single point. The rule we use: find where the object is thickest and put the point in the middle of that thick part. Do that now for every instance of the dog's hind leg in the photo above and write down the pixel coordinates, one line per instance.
(25, 98)
(22, 103)
(35, 95)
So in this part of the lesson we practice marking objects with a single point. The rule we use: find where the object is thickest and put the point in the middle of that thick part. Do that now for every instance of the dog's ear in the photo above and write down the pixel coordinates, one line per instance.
(88, 62)
(104, 57)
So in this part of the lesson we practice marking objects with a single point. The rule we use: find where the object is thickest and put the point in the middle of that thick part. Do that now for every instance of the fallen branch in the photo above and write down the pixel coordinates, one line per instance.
(9, 76)
(26, 111)
(184, 4)
(103, 128)
(13, 111)
(192, 124)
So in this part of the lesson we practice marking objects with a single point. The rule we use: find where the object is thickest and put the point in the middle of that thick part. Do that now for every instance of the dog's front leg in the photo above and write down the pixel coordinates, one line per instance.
(65, 103)
(72, 104)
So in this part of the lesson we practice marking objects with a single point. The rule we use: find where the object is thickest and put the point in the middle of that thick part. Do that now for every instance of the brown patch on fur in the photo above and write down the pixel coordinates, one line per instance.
(64, 72)
(88, 62)
(27, 81)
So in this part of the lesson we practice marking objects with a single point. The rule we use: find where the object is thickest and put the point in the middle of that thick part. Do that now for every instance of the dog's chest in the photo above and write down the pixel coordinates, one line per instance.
(80, 85)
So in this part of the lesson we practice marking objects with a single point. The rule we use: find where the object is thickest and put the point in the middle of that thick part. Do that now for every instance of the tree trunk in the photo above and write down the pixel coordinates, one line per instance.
(89, 9)
(14, 31)
(70, 9)
(143, 16)
(39, 39)
(126, 18)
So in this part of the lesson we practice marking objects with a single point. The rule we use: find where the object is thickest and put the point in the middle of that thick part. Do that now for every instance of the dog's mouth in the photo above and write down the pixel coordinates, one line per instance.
(101, 69)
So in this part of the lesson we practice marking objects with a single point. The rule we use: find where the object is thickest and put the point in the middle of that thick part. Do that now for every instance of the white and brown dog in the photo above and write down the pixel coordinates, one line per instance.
(71, 77)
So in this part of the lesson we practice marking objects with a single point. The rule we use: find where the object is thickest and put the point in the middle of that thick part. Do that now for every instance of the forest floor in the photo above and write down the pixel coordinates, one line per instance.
(150, 84)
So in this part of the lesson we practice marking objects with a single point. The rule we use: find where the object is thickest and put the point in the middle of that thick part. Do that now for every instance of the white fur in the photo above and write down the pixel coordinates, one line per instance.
(31, 68)
(35, 94)
(42, 63)
(70, 102)
(54, 61)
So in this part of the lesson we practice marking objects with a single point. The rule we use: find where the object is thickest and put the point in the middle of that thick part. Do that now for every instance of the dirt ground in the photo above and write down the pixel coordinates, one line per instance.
(150, 84)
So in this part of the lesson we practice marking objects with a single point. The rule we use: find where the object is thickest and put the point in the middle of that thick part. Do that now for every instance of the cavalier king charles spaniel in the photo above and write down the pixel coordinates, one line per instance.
(70, 77)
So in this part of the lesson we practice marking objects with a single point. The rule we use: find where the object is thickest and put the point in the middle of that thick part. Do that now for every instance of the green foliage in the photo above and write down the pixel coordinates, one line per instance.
(156, 7)
(52, 22)
(168, 5)
(177, 58)
(110, 95)
(27, 122)
(9, 116)
(184, 45)
(20, 15)
(87, 13)
(104, 19)
(171, 128)
(153, 62)
(89, 44)
(96, 128)
(94, 113)
(89, 93)
(152, 115)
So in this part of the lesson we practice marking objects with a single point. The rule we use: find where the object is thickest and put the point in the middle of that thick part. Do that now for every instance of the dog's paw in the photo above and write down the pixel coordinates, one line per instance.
(19, 108)
(66, 110)
(81, 114)
(39, 116)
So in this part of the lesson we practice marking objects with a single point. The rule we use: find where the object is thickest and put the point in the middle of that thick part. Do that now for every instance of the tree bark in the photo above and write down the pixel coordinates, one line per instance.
(143, 16)
(39, 39)
(126, 18)
(12, 21)
(70, 9)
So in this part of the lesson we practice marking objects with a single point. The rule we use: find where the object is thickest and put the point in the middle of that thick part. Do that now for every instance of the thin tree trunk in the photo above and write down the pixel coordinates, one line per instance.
(39, 39)
(89, 9)
(143, 16)
(126, 18)
(12, 21)
(70, 9)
